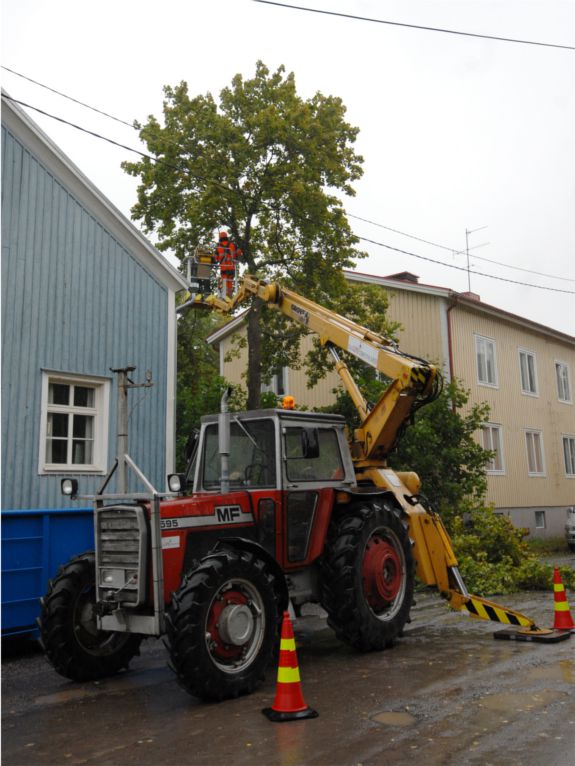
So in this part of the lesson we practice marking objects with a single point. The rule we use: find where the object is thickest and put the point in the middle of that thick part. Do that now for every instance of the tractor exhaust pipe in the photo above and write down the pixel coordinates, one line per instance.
(224, 442)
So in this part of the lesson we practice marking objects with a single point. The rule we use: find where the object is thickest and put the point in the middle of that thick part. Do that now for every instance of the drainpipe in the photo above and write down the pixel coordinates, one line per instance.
(450, 341)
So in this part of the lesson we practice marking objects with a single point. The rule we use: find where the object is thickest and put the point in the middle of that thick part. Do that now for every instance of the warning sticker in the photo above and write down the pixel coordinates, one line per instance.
(363, 351)
(173, 541)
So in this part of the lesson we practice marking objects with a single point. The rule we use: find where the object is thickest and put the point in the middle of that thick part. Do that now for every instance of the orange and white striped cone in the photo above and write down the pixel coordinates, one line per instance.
(289, 703)
(563, 619)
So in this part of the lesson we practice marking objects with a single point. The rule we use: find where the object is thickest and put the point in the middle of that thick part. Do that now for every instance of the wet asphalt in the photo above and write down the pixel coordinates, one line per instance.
(447, 693)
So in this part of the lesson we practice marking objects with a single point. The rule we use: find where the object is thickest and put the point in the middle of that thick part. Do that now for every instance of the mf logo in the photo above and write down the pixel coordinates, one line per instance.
(228, 514)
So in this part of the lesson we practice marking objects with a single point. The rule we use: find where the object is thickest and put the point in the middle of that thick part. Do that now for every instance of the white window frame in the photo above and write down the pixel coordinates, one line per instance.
(528, 354)
(273, 384)
(535, 432)
(489, 428)
(569, 438)
(479, 340)
(100, 412)
(558, 363)
(540, 514)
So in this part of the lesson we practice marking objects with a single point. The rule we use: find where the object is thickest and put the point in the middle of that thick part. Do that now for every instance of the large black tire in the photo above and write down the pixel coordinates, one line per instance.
(223, 624)
(367, 575)
(68, 632)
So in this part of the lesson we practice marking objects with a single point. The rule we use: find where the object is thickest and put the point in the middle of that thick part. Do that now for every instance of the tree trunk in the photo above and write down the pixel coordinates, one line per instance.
(254, 380)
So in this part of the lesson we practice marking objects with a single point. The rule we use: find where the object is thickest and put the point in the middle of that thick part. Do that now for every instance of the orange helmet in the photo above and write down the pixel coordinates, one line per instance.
(223, 235)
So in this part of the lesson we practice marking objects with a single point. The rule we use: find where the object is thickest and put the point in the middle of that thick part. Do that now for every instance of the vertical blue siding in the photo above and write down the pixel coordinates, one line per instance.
(74, 300)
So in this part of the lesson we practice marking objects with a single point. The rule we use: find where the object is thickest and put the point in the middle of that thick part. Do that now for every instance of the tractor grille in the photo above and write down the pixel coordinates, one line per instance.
(121, 554)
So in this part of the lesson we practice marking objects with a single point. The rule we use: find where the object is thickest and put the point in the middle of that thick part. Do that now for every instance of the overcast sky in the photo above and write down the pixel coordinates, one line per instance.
(457, 133)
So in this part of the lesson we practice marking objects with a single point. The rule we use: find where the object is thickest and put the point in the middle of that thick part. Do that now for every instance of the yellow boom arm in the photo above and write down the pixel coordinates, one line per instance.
(412, 380)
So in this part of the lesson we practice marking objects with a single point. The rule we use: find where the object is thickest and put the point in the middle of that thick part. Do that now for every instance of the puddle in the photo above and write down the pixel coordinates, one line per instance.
(394, 719)
(71, 695)
(562, 671)
(510, 702)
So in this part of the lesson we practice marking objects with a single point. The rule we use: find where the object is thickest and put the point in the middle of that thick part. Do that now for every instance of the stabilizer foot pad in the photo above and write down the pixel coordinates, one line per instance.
(541, 636)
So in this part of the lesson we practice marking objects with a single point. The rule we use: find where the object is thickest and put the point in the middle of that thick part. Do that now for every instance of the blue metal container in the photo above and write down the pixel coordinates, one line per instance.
(34, 544)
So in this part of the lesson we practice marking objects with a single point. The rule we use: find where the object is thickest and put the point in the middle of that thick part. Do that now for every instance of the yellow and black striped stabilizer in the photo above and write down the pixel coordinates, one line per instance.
(487, 610)
(519, 627)
(483, 609)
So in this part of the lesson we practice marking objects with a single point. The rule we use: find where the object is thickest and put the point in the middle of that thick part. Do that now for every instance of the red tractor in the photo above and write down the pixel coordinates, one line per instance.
(276, 507)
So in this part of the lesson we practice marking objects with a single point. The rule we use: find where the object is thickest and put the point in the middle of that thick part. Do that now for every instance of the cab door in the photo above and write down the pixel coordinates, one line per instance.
(312, 470)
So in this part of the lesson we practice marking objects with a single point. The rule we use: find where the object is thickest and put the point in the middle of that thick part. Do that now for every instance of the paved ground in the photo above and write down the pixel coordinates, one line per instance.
(446, 694)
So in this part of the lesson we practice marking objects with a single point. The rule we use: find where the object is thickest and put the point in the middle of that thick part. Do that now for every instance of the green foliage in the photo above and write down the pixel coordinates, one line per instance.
(494, 557)
(441, 448)
(265, 164)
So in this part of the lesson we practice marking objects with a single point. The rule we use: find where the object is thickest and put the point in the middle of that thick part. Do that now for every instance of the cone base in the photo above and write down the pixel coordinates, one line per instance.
(541, 636)
(297, 715)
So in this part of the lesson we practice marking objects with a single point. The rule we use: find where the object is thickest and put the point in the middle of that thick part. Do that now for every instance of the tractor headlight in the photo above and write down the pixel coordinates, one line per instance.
(69, 487)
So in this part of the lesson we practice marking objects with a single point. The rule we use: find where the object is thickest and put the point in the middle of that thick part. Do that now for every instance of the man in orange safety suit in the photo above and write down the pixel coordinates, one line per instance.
(227, 255)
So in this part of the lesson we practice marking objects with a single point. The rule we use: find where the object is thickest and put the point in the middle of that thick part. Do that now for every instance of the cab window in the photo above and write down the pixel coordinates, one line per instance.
(252, 460)
(327, 466)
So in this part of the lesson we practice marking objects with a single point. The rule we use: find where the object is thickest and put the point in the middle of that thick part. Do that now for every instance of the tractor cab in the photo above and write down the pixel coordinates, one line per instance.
(274, 449)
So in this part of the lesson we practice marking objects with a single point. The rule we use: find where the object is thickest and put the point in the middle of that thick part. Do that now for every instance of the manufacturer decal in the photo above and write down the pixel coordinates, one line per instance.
(300, 313)
(223, 514)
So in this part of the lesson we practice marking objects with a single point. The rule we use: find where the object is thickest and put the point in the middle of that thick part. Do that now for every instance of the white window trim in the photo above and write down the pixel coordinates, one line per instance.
(565, 364)
(544, 517)
(497, 471)
(101, 425)
(543, 472)
(566, 436)
(532, 354)
(477, 337)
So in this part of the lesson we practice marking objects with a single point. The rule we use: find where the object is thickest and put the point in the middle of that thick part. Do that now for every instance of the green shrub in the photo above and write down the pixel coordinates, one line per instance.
(494, 557)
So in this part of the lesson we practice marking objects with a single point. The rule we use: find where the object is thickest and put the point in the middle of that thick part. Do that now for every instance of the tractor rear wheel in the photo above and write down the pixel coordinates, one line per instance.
(68, 629)
(223, 625)
(367, 575)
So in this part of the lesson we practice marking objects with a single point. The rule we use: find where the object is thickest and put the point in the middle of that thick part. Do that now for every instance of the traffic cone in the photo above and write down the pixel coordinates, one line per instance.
(563, 619)
(289, 704)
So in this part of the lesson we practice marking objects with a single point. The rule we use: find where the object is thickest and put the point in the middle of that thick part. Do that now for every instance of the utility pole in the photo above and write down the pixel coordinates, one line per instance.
(467, 233)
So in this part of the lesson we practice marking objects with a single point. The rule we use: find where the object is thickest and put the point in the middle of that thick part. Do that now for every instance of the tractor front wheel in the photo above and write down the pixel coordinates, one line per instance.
(367, 575)
(68, 629)
(223, 625)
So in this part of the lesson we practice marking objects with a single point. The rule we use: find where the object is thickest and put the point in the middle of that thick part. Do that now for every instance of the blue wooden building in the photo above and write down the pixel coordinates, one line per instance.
(82, 292)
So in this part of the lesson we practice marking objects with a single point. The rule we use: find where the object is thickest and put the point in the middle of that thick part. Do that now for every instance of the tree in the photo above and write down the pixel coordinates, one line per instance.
(440, 447)
(265, 164)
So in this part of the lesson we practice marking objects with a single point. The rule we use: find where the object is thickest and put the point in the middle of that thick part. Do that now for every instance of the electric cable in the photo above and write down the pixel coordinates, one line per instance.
(214, 181)
(458, 252)
(462, 268)
(70, 98)
(415, 26)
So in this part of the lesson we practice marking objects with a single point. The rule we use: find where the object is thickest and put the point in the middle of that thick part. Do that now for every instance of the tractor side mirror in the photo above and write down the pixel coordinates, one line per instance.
(310, 443)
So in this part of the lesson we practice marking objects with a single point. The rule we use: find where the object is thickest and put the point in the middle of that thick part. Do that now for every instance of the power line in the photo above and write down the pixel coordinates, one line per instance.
(157, 160)
(462, 268)
(458, 252)
(415, 26)
(214, 181)
(70, 98)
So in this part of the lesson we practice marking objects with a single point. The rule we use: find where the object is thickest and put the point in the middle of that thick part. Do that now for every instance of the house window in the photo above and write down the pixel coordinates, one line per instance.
(493, 441)
(563, 383)
(74, 432)
(540, 520)
(278, 383)
(528, 372)
(535, 462)
(569, 454)
(486, 361)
